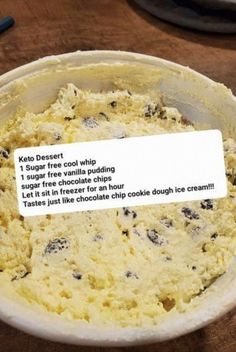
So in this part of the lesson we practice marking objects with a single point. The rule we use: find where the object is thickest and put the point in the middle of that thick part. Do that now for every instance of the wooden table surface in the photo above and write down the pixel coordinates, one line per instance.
(45, 27)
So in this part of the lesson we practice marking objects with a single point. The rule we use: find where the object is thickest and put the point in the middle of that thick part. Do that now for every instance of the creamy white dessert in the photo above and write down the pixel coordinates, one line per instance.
(126, 266)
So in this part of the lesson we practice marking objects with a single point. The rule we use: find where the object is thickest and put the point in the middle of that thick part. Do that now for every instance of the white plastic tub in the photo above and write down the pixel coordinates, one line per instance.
(201, 100)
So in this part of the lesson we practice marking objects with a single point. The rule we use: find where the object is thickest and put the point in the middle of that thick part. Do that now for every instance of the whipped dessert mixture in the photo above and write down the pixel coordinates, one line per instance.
(126, 266)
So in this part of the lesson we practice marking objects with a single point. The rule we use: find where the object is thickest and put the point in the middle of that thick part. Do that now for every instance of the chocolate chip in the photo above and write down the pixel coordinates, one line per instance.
(130, 274)
(190, 213)
(97, 238)
(214, 236)
(162, 115)
(155, 238)
(130, 213)
(186, 122)
(194, 267)
(77, 276)
(57, 136)
(151, 109)
(69, 118)
(136, 232)
(57, 245)
(113, 104)
(195, 230)
(4, 153)
(207, 204)
(90, 122)
(126, 211)
(204, 248)
(20, 275)
(168, 258)
(166, 222)
(125, 233)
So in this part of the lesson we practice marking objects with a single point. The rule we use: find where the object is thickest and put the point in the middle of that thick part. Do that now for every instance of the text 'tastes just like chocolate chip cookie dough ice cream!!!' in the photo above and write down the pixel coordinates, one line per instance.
(125, 266)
